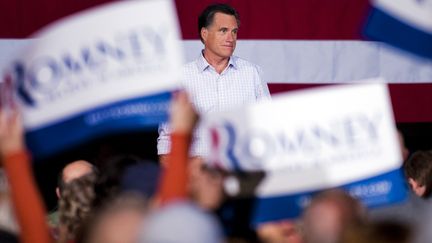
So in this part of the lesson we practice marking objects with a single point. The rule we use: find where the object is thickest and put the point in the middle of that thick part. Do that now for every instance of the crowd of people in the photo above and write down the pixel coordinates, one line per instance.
(127, 199)
(132, 200)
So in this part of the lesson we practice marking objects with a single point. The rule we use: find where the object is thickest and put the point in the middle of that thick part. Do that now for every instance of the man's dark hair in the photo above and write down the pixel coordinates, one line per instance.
(419, 168)
(206, 17)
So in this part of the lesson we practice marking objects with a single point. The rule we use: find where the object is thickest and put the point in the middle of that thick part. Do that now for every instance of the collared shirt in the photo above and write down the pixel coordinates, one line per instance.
(239, 84)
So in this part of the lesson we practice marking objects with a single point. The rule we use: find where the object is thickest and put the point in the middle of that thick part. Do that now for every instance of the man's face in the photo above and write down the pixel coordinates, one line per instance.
(221, 36)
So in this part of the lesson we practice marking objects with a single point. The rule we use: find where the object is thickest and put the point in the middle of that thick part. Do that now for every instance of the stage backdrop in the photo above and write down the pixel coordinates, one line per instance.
(298, 43)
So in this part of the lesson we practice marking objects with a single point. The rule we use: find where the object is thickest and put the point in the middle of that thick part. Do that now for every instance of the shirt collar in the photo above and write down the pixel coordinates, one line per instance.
(203, 64)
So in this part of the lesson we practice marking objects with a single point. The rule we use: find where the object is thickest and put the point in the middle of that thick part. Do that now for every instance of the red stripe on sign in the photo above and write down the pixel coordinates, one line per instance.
(411, 102)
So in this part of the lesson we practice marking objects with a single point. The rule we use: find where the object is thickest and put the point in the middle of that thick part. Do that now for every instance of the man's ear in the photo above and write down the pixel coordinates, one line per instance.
(58, 192)
(413, 184)
(418, 190)
(204, 34)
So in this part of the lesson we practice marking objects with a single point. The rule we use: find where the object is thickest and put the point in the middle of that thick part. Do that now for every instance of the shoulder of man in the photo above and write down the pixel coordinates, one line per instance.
(189, 64)
(240, 62)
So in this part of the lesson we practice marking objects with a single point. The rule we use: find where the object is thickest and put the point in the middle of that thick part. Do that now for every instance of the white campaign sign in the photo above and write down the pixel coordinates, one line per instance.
(115, 52)
(332, 135)
(104, 70)
(308, 141)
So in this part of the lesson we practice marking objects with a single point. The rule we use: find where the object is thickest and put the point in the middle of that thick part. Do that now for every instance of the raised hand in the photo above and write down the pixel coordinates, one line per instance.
(11, 133)
(183, 114)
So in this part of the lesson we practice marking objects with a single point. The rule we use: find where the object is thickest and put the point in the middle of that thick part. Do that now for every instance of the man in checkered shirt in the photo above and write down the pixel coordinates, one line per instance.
(217, 80)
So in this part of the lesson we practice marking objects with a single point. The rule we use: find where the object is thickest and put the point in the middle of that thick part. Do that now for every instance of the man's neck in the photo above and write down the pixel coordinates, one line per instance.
(218, 63)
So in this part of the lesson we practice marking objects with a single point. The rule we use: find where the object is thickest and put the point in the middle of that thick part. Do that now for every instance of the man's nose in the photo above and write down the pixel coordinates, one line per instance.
(230, 37)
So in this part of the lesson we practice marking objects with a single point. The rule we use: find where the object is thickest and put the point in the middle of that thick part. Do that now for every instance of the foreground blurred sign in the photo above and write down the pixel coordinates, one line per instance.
(308, 141)
(105, 70)
(406, 24)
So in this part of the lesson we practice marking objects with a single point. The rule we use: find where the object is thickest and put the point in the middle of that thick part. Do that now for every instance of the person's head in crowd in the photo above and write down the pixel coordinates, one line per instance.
(403, 148)
(75, 205)
(217, 27)
(141, 178)
(329, 214)
(181, 222)
(73, 171)
(205, 184)
(117, 221)
(118, 174)
(378, 232)
(418, 171)
(284, 231)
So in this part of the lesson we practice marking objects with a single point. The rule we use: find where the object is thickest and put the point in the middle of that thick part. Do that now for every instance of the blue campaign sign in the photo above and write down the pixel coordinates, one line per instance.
(130, 115)
(405, 24)
(384, 189)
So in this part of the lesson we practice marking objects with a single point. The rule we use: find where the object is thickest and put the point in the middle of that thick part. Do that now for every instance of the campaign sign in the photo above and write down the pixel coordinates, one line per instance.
(406, 24)
(106, 70)
(312, 140)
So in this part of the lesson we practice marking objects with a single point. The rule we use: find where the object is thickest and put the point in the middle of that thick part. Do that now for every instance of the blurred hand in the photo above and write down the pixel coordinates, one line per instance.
(183, 114)
(163, 158)
(11, 133)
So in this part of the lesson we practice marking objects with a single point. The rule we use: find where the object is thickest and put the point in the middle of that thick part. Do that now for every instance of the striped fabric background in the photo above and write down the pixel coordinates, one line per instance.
(298, 43)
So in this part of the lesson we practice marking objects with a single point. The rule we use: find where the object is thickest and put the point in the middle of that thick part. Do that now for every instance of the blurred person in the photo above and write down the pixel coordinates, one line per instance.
(378, 232)
(418, 171)
(179, 219)
(422, 230)
(205, 185)
(283, 231)
(117, 221)
(120, 223)
(123, 173)
(185, 178)
(329, 214)
(27, 202)
(217, 80)
(141, 178)
(75, 206)
(70, 172)
(181, 222)
(413, 212)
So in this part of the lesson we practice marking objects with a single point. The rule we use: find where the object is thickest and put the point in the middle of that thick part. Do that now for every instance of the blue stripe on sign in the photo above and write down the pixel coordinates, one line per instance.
(384, 27)
(138, 114)
(384, 189)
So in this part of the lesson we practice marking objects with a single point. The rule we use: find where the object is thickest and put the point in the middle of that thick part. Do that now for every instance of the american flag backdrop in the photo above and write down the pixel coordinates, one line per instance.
(299, 44)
